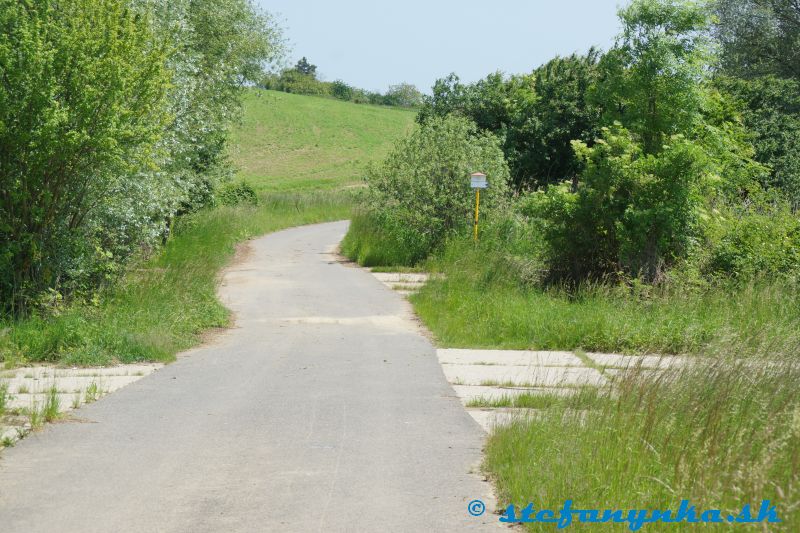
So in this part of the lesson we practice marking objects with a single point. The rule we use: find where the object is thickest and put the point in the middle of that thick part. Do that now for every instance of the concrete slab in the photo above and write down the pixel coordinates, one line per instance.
(68, 384)
(521, 375)
(491, 419)
(28, 389)
(37, 401)
(507, 357)
(644, 361)
(402, 277)
(468, 393)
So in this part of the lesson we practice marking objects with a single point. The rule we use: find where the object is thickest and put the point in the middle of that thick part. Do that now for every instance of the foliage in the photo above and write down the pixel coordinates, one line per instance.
(114, 118)
(217, 48)
(82, 104)
(633, 213)
(541, 145)
(537, 115)
(403, 95)
(759, 37)
(342, 91)
(757, 243)
(652, 80)
(305, 68)
(423, 185)
(771, 112)
(237, 193)
(650, 185)
(297, 81)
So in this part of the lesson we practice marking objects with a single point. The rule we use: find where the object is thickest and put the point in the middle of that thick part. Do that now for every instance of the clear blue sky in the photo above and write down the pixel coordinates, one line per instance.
(372, 44)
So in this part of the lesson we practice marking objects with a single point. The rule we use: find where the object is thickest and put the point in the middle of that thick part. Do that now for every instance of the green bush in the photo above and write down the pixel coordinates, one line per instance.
(420, 195)
(81, 108)
(632, 213)
(114, 117)
(237, 193)
(342, 91)
(755, 245)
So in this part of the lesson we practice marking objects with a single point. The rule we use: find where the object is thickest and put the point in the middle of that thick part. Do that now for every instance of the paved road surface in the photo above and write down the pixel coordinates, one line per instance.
(324, 410)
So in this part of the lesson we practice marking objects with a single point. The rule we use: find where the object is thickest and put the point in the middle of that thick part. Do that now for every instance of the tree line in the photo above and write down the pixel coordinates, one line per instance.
(303, 79)
(114, 118)
(673, 154)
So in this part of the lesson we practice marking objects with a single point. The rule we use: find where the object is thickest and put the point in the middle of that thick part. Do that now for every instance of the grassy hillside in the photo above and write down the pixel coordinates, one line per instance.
(293, 142)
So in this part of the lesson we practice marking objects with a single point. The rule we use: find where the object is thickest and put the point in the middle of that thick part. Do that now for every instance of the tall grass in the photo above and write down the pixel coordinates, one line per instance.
(163, 304)
(371, 244)
(721, 433)
(484, 301)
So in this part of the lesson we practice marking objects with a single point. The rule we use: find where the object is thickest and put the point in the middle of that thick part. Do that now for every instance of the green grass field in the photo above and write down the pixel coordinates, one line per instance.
(299, 152)
(292, 142)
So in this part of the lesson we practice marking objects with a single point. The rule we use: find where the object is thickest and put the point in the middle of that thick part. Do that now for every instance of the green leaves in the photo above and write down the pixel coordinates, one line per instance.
(113, 113)
(652, 80)
(423, 186)
(535, 115)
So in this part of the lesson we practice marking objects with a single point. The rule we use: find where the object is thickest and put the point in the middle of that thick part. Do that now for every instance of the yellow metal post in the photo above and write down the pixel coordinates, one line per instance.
(477, 210)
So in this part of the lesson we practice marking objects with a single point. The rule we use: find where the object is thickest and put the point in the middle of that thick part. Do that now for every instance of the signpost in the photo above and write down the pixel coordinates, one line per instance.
(478, 182)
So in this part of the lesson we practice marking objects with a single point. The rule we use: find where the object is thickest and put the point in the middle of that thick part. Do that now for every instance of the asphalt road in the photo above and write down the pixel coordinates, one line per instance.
(325, 409)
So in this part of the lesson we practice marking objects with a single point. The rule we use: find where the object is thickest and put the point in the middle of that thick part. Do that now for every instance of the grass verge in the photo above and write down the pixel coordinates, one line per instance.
(163, 305)
(481, 303)
(721, 434)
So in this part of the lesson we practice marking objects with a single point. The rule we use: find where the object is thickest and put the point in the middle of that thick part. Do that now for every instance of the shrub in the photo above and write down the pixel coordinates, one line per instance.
(632, 213)
(342, 91)
(403, 95)
(237, 193)
(755, 245)
(422, 189)
(80, 110)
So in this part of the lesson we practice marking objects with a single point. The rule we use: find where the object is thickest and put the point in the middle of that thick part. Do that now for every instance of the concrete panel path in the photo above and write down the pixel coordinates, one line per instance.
(324, 410)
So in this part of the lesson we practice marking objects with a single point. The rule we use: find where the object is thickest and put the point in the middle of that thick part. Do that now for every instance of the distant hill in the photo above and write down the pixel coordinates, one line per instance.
(293, 142)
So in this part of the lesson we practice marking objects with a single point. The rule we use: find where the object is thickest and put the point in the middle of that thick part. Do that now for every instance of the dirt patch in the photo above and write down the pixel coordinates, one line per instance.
(244, 251)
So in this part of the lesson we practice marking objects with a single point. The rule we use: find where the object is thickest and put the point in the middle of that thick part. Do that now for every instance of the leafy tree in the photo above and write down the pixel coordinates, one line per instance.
(305, 68)
(421, 192)
(403, 95)
(759, 37)
(293, 81)
(673, 157)
(114, 116)
(651, 80)
(82, 104)
(537, 115)
(217, 47)
(760, 67)
(539, 141)
(771, 113)
(342, 91)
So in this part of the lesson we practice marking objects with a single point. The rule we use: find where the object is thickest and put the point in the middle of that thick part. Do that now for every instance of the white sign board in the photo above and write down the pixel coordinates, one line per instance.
(478, 181)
